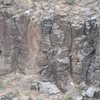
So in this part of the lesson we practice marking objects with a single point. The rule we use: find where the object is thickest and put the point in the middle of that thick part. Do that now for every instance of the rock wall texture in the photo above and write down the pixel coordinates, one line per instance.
(67, 50)
(62, 44)
(12, 37)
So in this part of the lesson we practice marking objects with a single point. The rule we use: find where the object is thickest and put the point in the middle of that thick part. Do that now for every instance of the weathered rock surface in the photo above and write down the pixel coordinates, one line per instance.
(15, 98)
(60, 40)
(79, 98)
(13, 32)
(97, 95)
(69, 51)
(90, 92)
(45, 87)
(6, 2)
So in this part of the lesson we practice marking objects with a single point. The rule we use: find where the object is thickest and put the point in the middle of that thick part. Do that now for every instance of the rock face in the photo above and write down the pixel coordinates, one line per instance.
(69, 50)
(56, 51)
(13, 31)
(61, 47)
(84, 51)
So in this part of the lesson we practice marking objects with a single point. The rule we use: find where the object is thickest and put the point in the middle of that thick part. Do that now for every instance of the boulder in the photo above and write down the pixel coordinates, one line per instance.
(45, 87)
(79, 98)
(90, 91)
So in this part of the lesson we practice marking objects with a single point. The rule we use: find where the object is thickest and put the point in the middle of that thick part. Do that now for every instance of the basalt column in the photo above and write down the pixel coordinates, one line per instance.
(54, 53)
(84, 52)
(67, 50)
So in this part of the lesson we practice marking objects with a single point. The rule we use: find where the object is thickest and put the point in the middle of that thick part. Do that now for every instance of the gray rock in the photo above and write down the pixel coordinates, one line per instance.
(47, 26)
(49, 88)
(15, 98)
(47, 75)
(90, 91)
(97, 95)
(83, 93)
(65, 60)
(35, 85)
(45, 44)
(9, 12)
(55, 97)
(42, 60)
(7, 2)
(0, 1)
(45, 87)
(53, 39)
(79, 98)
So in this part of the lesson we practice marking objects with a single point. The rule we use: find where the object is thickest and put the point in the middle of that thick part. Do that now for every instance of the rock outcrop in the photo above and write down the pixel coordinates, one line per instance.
(13, 32)
(64, 45)
(68, 50)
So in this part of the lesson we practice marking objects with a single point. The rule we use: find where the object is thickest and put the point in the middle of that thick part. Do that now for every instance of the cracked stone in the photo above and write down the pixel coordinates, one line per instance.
(7, 2)
(90, 91)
